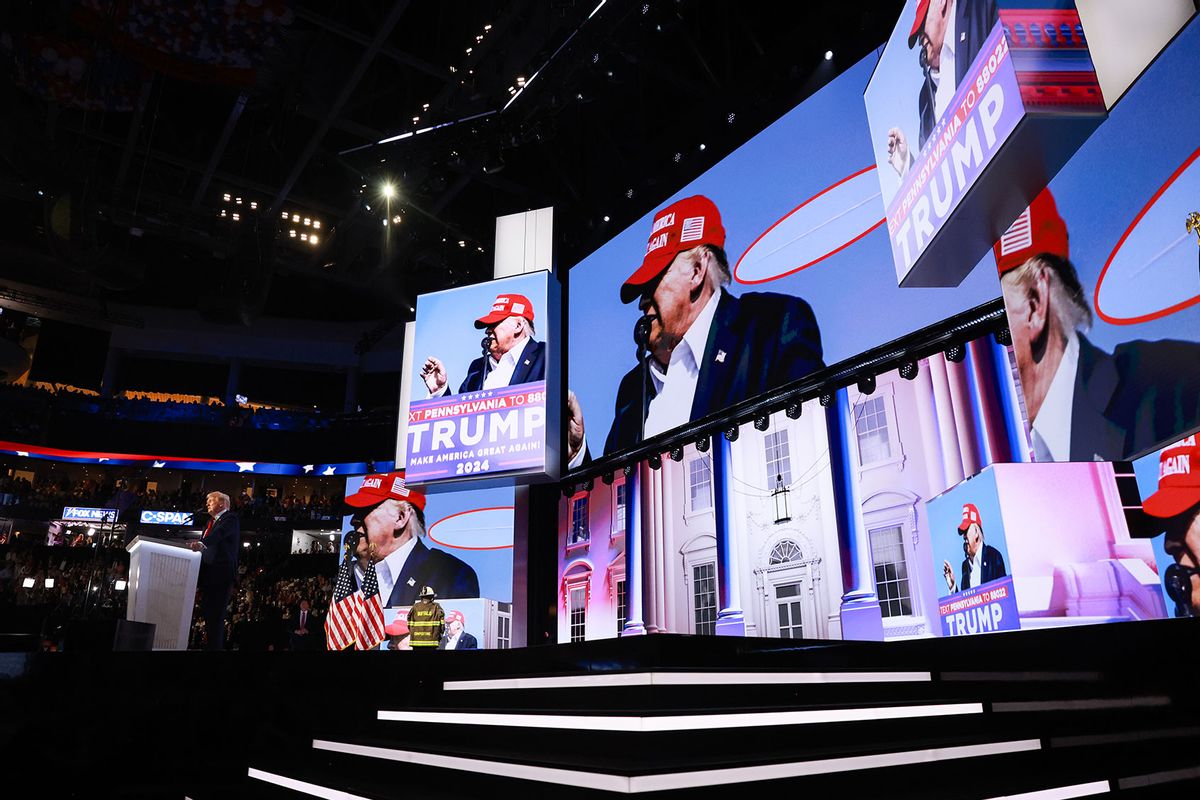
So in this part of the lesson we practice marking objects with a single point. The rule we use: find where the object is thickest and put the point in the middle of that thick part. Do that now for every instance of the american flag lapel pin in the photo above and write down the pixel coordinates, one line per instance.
(720, 357)
(412, 581)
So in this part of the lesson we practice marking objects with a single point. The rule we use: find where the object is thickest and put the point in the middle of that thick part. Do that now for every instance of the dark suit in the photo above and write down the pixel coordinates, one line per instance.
(992, 568)
(297, 641)
(450, 577)
(1143, 396)
(973, 21)
(218, 570)
(758, 342)
(465, 642)
(531, 367)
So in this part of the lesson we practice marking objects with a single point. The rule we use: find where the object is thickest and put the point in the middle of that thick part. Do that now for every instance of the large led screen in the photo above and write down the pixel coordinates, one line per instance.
(1169, 482)
(785, 268)
(1101, 282)
(478, 402)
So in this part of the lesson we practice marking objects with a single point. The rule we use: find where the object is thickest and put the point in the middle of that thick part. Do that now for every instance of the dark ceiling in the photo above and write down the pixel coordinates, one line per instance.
(127, 123)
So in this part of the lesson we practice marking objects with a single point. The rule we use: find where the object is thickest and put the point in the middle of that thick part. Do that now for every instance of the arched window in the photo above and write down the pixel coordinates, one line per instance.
(787, 550)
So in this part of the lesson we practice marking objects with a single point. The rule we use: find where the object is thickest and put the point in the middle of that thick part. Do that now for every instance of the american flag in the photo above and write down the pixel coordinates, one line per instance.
(370, 612)
(340, 623)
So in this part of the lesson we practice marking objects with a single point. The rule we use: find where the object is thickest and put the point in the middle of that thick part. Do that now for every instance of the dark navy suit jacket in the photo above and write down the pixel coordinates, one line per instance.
(532, 367)
(219, 559)
(1141, 397)
(465, 642)
(992, 568)
(758, 341)
(450, 577)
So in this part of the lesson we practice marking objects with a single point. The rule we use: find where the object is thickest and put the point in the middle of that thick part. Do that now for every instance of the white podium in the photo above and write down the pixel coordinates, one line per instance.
(162, 588)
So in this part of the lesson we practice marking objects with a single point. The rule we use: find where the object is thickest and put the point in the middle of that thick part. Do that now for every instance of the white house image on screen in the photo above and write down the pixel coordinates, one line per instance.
(910, 440)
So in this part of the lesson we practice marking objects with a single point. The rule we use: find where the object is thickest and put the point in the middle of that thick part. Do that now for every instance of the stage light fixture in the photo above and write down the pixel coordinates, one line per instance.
(827, 399)
(568, 490)
(955, 353)
(677, 453)
(396, 220)
(606, 218)
(285, 214)
(389, 191)
(703, 443)
(292, 233)
(312, 238)
(1004, 336)
(588, 484)
(866, 384)
(27, 583)
(49, 583)
(296, 218)
(308, 222)
(316, 224)
(762, 423)
(829, 55)
(909, 369)
(731, 433)
(253, 205)
(627, 470)
(794, 409)
(607, 478)
(120, 584)
(655, 461)
(703, 147)
(225, 197)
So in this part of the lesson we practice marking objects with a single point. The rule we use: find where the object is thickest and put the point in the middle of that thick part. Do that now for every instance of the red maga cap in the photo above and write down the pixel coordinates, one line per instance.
(384, 486)
(970, 516)
(456, 615)
(680, 226)
(398, 627)
(1178, 480)
(918, 21)
(507, 305)
(1039, 229)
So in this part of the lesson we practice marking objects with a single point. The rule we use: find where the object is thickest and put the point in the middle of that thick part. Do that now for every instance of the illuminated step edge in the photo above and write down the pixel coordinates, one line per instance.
(304, 787)
(1105, 703)
(626, 784)
(1060, 792)
(684, 679)
(688, 722)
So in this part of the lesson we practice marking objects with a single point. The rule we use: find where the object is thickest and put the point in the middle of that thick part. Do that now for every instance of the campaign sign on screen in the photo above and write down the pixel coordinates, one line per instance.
(83, 514)
(496, 430)
(988, 608)
(960, 88)
(479, 396)
(166, 518)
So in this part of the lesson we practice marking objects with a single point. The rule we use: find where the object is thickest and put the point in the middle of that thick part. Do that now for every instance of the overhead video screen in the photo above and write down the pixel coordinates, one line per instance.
(771, 265)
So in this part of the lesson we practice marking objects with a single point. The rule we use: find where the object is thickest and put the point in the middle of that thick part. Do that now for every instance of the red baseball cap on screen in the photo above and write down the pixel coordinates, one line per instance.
(918, 21)
(398, 627)
(680, 226)
(970, 516)
(1039, 229)
(1178, 480)
(384, 486)
(456, 615)
(507, 305)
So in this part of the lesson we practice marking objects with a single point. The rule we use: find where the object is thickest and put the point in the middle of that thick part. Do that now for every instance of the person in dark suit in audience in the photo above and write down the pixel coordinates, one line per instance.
(304, 629)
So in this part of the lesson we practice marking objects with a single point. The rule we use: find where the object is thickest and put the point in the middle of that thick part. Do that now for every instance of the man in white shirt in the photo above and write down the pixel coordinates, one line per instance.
(707, 349)
(513, 356)
(950, 34)
(1084, 404)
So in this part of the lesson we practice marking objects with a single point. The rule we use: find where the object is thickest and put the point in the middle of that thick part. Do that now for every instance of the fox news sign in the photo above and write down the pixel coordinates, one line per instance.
(82, 514)
(166, 518)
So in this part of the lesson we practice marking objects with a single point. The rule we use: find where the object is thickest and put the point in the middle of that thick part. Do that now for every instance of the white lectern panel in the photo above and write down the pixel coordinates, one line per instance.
(162, 588)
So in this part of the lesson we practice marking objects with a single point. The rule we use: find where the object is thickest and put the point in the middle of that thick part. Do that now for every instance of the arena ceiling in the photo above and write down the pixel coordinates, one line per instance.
(131, 130)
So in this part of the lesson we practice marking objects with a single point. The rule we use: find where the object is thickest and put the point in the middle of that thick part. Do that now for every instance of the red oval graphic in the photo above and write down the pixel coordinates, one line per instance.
(447, 541)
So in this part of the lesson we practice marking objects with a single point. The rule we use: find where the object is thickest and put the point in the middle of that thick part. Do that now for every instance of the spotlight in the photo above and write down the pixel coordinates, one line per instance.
(91, 532)
(607, 478)
(27, 583)
(731, 433)
(762, 423)
(866, 384)
(956, 353)
(909, 369)
(312, 238)
(286, 215)
(389, 191)
(677, 453)
(703, 147)
(296, 218)
(308, 221)
(1004, 336)
(627, 470)
(49, 582)
(829, 55)
(120, 585)
(827, 399)
(703, 443)
(292, 233)
(225, 197)
(606, 218)
(316, 224)
(396, 220)
(655, 461)
(794, 410)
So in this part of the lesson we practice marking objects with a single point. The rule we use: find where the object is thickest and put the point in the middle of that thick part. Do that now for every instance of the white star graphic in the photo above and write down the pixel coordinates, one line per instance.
(246, 466)
(308, 468)
(328, 471)
(159, 464)
(23, 453)
(101, 460)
